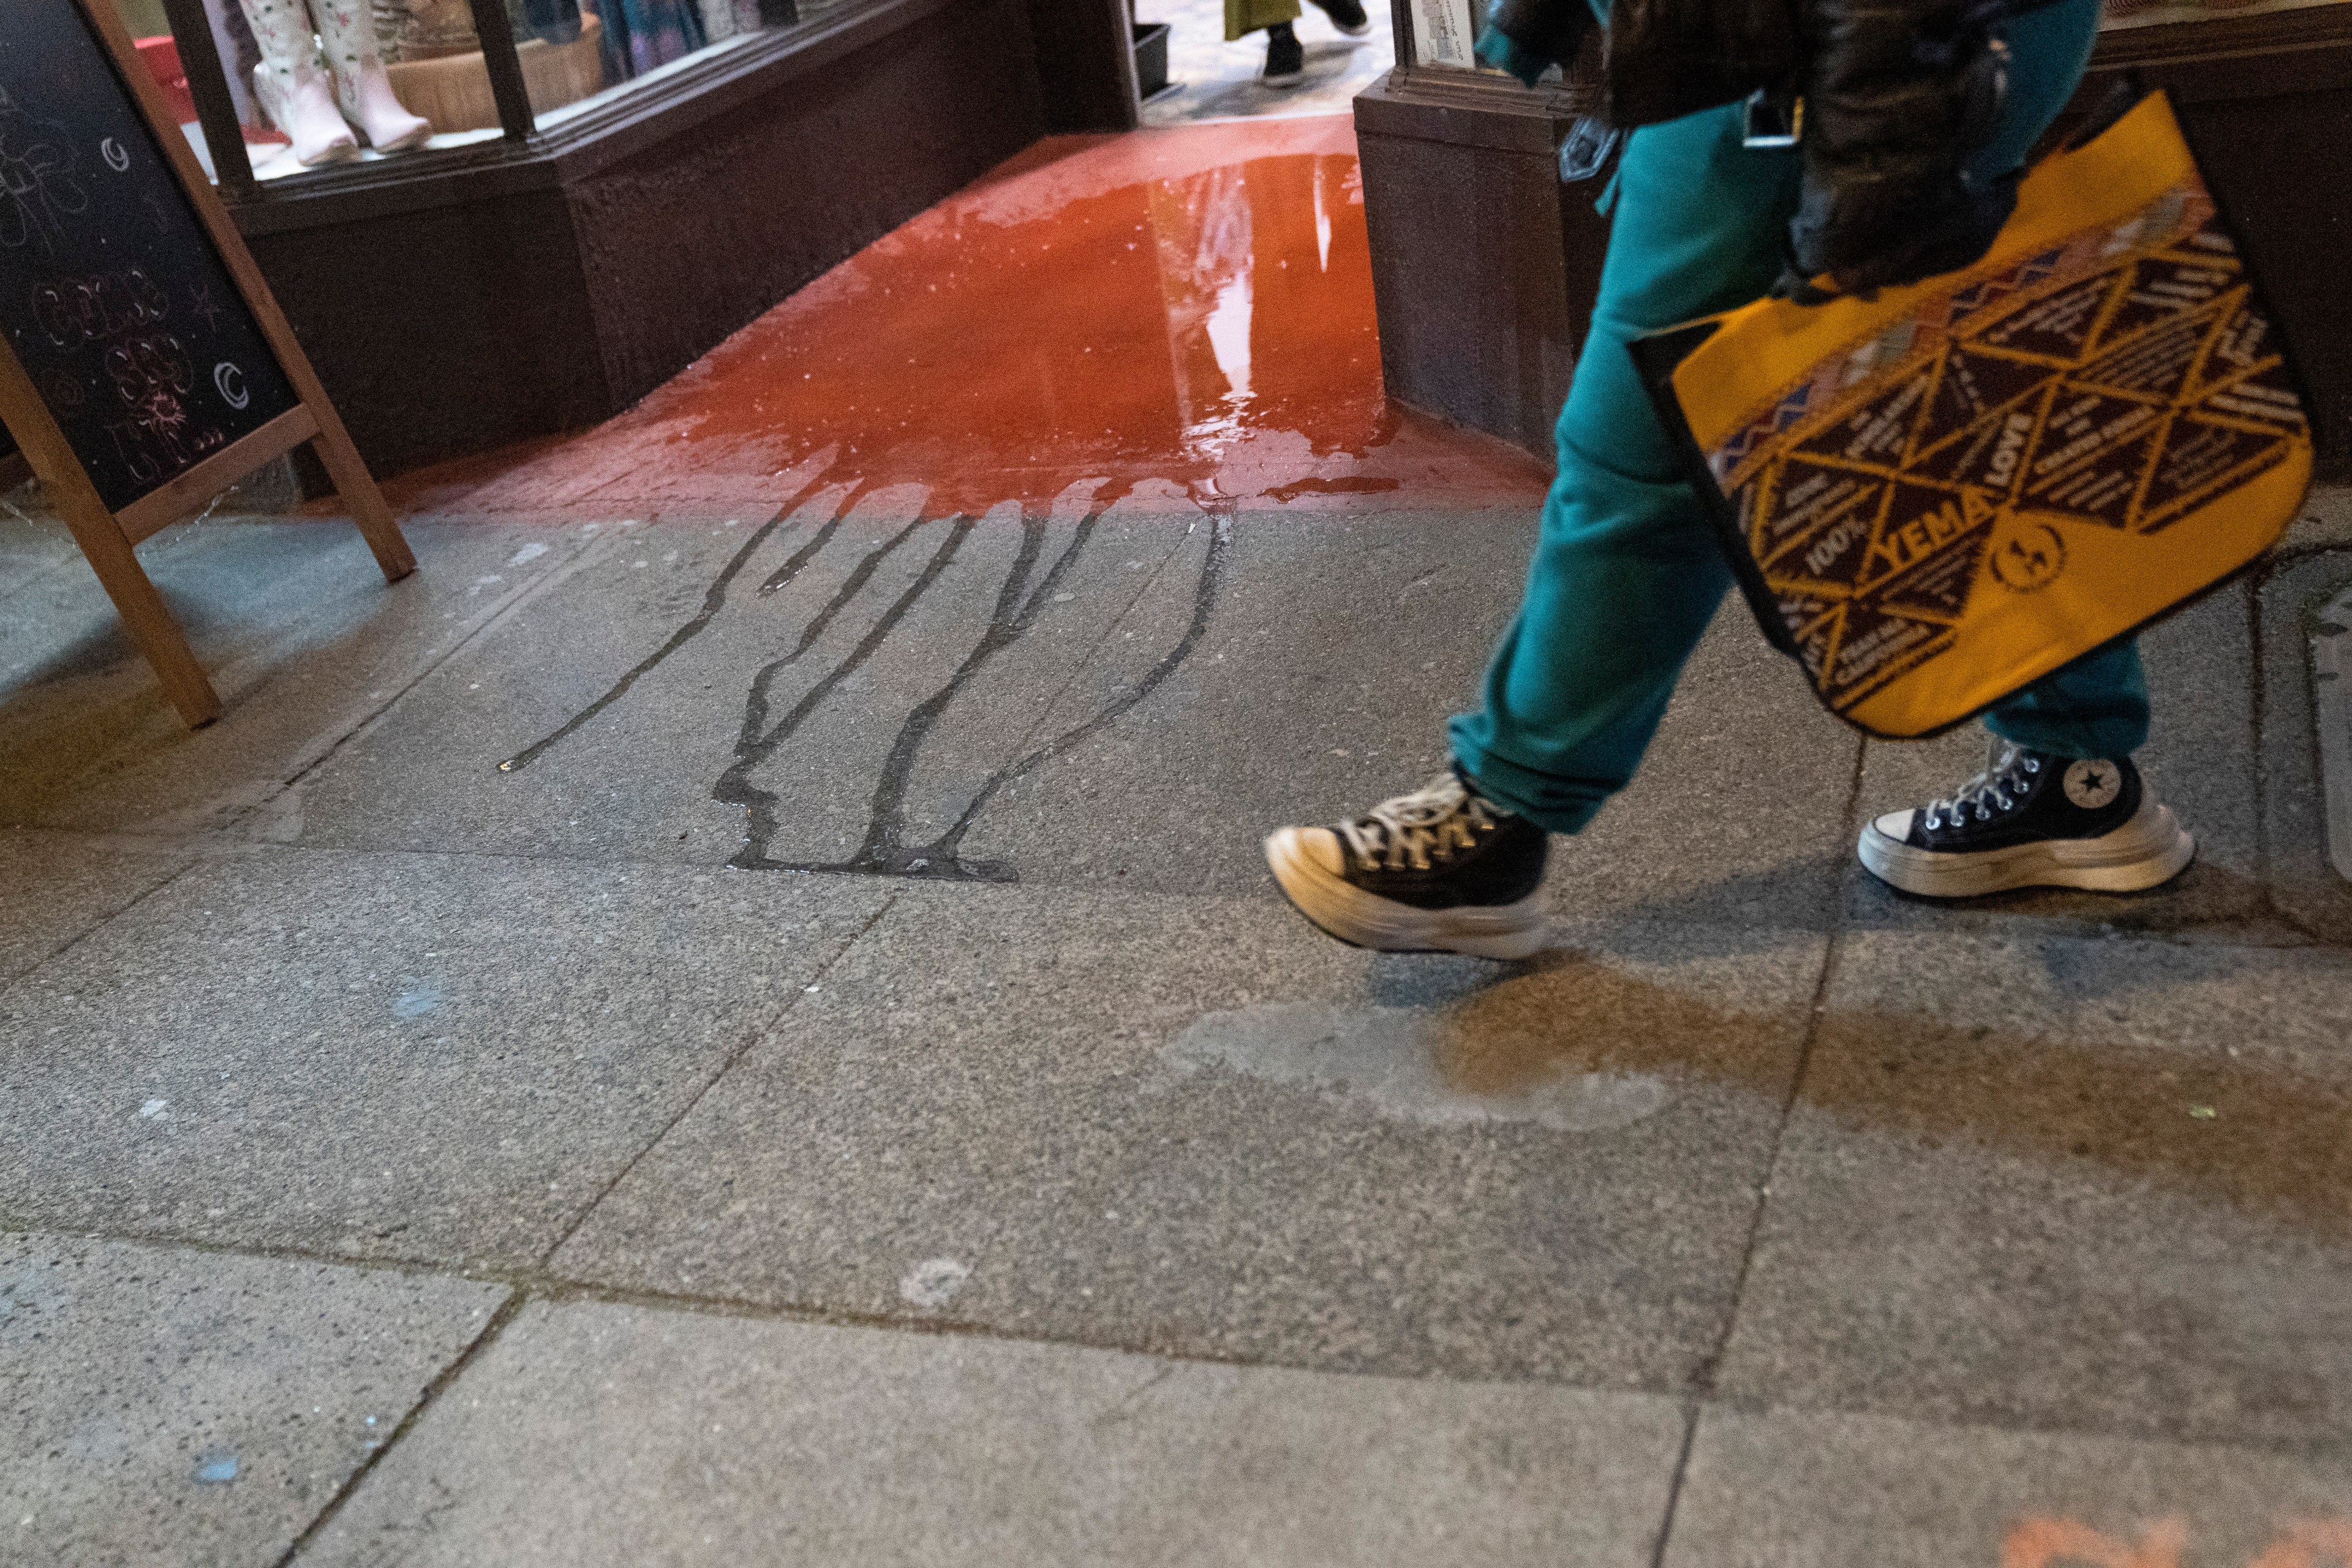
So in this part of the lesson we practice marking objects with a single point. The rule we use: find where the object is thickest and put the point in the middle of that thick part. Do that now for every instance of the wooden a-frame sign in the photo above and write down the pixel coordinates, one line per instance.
(151, 369)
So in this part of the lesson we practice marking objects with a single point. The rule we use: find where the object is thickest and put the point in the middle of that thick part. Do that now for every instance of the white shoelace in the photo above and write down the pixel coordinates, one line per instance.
(1436, 819)
(2002, 782)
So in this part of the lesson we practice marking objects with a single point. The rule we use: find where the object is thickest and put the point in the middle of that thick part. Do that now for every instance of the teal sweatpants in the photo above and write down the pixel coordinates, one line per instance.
(1627, 572)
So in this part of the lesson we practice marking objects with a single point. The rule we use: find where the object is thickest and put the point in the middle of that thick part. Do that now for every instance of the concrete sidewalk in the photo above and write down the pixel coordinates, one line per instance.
(846, 1092)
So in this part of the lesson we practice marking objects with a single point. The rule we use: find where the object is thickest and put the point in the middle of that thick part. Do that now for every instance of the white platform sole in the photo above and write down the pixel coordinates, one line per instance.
(2146, 852)
(1348, 912)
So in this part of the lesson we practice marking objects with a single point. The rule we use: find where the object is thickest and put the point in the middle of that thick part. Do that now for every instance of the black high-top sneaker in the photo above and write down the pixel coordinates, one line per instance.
(1347, 15)
(1285, 58)
(1443, 869)
(2032, 820)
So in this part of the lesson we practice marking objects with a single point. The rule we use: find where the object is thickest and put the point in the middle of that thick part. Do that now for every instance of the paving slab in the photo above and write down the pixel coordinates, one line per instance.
(1339, 648)
(1132, 701)
(1739, 813)
(303, 640)
(413, 1057)
(2201, 758)
(1786, 1489)
(590, 1433)
(2097, 1184)
(55, 887)
(33, 544)
(2305, 888)
(2326, 521)
(164, 1405)
(1196, 1125)
(825, 688)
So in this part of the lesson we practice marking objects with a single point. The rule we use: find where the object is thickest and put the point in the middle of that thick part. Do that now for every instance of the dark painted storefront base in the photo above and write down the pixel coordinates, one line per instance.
(1486, 265)
(473, 299)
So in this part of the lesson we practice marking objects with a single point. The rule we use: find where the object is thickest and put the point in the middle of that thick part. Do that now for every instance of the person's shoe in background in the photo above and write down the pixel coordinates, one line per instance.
(1347, 15)
(1286, 61)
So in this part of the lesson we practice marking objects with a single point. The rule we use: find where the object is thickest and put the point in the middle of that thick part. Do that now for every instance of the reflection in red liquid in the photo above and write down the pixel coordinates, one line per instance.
(1192, 307)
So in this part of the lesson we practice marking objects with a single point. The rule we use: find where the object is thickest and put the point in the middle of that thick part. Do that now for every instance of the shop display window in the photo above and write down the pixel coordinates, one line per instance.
(2128, 14)
(1443, 33)
(315, 86)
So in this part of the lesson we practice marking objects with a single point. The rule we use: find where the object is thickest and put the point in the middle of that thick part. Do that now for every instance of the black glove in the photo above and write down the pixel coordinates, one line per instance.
(1897, 97)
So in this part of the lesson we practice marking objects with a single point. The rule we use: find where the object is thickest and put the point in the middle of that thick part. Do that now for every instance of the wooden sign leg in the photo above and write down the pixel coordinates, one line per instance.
(143, 610)
(358, 488)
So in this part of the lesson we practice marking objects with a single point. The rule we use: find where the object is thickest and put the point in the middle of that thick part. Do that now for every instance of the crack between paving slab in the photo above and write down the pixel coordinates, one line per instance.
(1691, 1410)
(369, 717)
(1703, 1378)
(590, 552)
(227, 834)
(751, 1039)
(98, 925)
(552, 1289)
(503, 1314)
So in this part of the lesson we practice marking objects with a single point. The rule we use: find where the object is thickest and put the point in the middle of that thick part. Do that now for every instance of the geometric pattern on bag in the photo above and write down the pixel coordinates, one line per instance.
(2118, 380)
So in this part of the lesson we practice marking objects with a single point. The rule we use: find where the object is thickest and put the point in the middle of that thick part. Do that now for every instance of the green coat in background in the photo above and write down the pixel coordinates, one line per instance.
(1244, 17)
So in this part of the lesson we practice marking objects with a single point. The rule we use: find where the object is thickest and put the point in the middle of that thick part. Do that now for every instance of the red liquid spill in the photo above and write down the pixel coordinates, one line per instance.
(1191, 307)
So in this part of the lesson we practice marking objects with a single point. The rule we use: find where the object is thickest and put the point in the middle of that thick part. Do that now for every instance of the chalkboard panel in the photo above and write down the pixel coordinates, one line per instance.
(111, 290)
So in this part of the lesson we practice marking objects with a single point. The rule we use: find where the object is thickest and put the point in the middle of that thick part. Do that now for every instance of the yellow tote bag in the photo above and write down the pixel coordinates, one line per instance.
(1937, 497)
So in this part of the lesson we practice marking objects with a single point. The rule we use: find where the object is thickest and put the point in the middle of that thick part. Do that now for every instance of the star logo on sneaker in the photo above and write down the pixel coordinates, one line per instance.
(2094, 784)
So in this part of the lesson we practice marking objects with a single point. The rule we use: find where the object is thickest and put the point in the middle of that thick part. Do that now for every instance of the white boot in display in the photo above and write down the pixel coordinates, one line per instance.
(291, 86)
(363, 90)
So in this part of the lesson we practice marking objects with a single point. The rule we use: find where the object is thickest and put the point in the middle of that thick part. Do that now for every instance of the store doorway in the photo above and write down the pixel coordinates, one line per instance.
(1208, 79)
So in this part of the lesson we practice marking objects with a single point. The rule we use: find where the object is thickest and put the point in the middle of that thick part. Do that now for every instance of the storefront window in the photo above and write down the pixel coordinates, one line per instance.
(2123, 14)
(641, 42)
(315, 84)
(1444, 33)
(322, 84)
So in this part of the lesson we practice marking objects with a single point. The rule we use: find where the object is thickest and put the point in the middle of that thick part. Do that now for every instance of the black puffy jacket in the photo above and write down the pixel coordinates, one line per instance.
(1896, 95)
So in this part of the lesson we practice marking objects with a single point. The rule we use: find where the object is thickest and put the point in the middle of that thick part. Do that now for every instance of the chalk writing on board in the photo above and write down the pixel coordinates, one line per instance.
(113, 293)
(38, 189)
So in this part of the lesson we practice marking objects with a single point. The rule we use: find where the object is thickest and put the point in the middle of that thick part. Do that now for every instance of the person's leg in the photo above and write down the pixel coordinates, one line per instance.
(1627, 570)
(2059, 803)
(2097, 706)
(2094, 707)
(1244, 17)
(1625, 577)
